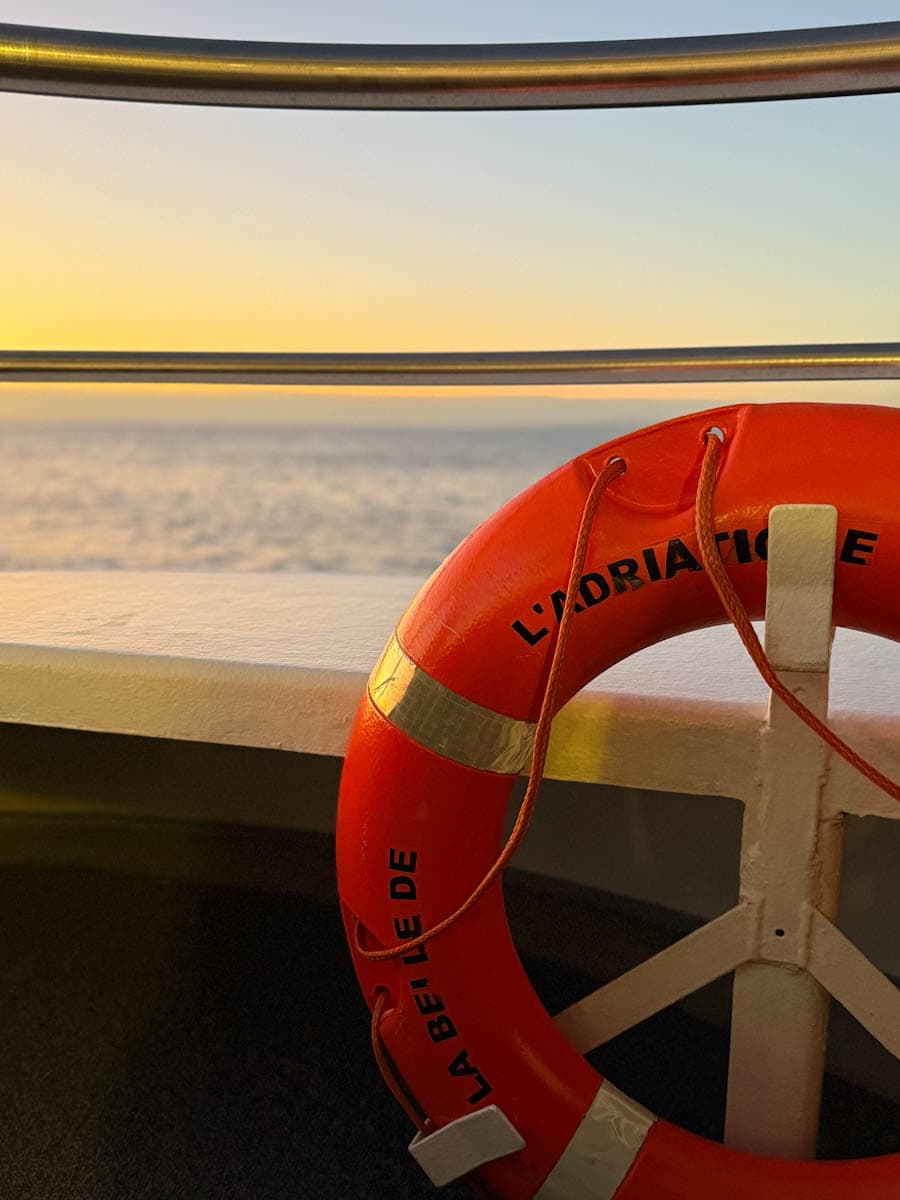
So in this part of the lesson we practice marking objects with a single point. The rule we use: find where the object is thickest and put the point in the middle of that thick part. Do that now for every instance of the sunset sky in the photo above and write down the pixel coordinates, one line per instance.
(161, 227)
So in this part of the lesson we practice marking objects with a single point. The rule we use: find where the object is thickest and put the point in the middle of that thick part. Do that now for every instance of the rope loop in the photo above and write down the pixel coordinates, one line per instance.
(737, 614)
(612, 471)
(731, 603)
(388, 1068)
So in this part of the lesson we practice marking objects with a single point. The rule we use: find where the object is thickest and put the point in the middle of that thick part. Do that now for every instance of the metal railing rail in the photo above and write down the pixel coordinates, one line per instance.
(791, 64)
(716, 364)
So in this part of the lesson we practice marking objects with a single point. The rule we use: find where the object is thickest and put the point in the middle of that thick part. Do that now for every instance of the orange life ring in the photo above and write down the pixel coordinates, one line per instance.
(443, 731)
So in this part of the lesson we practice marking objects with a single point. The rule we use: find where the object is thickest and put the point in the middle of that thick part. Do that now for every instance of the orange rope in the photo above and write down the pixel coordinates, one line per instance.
(541, 734)
(388, 1068)
(715, 569)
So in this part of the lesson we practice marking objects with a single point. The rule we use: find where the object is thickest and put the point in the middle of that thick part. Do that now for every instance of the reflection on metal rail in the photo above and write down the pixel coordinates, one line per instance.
(716, 364)
(845, 60)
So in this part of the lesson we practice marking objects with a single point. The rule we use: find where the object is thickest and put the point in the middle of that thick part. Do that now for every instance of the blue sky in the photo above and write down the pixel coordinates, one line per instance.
(141, 226)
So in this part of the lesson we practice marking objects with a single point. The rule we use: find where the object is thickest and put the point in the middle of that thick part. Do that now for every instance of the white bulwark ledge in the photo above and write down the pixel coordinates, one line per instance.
(280, 661)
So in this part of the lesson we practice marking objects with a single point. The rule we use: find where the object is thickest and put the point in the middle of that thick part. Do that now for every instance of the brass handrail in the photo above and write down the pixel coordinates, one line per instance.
(791, 64)
(715, 364)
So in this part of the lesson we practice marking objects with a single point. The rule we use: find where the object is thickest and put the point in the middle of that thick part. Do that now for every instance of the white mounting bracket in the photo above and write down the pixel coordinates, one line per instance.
(790, 858)
(780, 940)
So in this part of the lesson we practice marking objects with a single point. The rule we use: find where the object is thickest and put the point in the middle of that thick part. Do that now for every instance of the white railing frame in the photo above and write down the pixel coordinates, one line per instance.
(780, 940)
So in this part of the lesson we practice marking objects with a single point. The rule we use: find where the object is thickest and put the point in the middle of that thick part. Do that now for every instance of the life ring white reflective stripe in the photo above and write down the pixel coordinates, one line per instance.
(602, 1149)
(442, 720)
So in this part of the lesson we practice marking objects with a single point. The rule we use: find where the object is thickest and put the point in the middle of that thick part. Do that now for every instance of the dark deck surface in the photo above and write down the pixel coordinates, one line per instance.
(166, 1038)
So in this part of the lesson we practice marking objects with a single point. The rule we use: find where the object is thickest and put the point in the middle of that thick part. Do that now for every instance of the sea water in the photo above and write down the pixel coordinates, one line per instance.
(266, 498)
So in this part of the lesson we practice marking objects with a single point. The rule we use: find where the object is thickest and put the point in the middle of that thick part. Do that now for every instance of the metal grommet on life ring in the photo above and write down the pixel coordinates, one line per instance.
(447, 724)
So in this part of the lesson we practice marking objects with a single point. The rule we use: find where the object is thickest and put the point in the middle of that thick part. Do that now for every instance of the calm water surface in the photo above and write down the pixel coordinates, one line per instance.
(261, 499)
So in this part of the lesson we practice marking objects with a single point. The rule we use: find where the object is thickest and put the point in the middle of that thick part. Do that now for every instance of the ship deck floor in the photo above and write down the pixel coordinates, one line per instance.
(166, 1037)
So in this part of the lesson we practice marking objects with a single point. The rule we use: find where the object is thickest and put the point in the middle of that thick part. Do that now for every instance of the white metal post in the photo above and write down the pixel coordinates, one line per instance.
(790, 858)
(780, 940)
